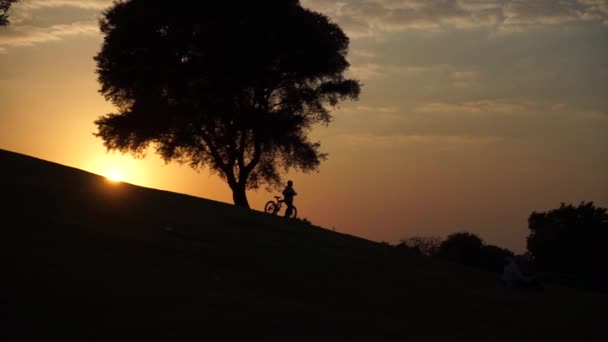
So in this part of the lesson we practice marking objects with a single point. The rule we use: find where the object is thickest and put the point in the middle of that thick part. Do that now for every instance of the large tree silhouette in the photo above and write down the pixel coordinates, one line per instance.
(570, 238)
(5, 5)
(234, 86)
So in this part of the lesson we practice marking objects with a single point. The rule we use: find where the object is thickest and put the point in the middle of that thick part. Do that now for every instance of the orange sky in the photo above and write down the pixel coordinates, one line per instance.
(473, 114)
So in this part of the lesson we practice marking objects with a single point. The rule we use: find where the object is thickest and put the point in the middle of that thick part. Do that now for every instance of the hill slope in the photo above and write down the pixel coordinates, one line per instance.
(90, 260)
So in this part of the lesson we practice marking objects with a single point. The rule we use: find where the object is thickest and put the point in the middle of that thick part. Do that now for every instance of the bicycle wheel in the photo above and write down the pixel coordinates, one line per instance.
(294, 212)
(270, 208)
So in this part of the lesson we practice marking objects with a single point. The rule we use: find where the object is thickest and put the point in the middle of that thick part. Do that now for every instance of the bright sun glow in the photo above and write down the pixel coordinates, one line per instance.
(115, 176)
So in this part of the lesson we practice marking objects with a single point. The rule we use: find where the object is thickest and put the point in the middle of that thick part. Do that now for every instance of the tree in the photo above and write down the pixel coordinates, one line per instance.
(469, 249)
(492, 258)
(232, 86)
(423, 245)
(461, 247)
(569, 239)
(5, 5)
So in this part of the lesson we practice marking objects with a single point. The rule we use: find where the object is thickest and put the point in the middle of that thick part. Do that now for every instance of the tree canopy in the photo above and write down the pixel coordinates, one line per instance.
(425, 245)
(5, 5)
(232, 86)
(569, 239)
(461, 247)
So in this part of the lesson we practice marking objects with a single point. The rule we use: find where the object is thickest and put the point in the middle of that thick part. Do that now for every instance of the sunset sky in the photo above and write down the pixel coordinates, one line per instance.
(473, 113)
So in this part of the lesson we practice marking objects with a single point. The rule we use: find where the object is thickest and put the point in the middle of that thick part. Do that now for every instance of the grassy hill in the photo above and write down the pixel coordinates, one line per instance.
(84, 259)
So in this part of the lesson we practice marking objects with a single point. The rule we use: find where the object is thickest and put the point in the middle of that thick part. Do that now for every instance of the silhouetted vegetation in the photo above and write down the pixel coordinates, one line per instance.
(5, 6)
(565, 245)
(423, 245)
(492, 258)
(463, 248)
(305, 221)
(570, 239)
(233, 86)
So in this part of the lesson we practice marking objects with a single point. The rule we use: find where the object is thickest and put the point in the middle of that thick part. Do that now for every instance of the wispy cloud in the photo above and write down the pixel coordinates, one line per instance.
(378, 109)
(84, 4)
(457, 76)
(30, 35)
(360, 18)
(27, 30)
(592, 115)
(397, 140)
(476, 107)
(364, 54)
(464, 79)
(373, 17)
(368, 69)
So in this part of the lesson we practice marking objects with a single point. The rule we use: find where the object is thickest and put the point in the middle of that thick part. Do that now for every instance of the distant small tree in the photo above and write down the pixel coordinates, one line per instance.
(461, 247)
(233, 86)
(492, 258)
(305, 220)
(5, 5)
(569, 239)
(425, 245)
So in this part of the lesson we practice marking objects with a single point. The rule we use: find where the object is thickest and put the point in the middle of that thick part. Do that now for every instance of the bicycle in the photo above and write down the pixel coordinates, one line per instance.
(273, 207)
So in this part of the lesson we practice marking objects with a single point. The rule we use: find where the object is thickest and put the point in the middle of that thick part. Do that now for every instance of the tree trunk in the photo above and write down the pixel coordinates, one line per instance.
(239, 195)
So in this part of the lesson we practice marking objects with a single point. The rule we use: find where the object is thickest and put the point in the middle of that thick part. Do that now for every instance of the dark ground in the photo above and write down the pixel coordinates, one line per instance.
(84, 259)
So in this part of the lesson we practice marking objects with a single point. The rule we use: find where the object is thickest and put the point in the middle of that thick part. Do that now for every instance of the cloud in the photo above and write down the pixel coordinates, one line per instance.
(464, 79)
(397, 140)
(559, 106)
(373, 17)
(476, 107)
(84, 4)
(592, 115)
(30, 35)
(596, 5)
(366, 70)
(506, 108)
(364, 54)
(378, 109)
(522, 15)
(371, 116)
(30, 24)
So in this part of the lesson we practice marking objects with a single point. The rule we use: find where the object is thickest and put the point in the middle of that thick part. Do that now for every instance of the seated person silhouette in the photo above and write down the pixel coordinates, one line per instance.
(288, 194)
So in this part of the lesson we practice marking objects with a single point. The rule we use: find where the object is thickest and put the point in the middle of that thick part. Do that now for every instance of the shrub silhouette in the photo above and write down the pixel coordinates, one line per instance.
(422, 245)
(461, 247)
(492, 258)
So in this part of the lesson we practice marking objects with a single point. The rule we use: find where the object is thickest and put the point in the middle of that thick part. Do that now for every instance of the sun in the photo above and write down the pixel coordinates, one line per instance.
(115, 176)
